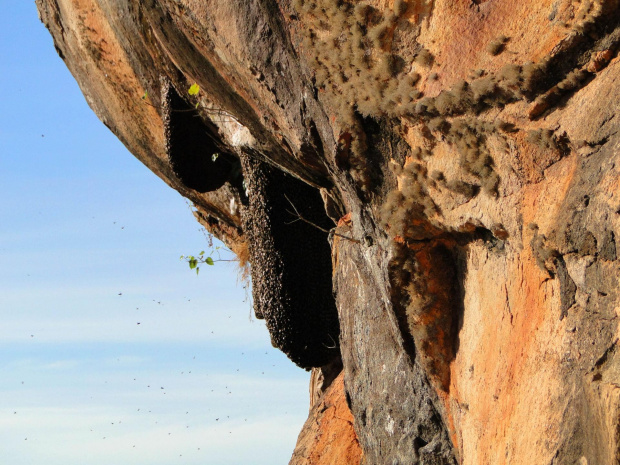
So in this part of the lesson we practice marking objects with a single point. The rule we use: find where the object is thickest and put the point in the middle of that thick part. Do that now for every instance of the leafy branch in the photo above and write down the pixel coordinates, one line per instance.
(194, 261)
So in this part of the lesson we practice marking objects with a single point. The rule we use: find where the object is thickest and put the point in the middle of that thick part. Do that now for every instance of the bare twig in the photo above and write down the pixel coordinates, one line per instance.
(301, 218)
(209, 111)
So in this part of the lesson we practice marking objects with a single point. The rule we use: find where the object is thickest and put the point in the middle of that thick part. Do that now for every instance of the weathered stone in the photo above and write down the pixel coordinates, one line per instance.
(476, 274)
(394, 405)
(328, 437)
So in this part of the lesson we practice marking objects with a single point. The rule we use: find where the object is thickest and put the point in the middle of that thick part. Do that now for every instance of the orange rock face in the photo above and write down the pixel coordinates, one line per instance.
(328, 437)
(471, 150)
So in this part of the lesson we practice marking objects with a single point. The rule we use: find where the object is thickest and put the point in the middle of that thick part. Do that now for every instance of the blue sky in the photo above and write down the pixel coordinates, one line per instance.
(111, 351)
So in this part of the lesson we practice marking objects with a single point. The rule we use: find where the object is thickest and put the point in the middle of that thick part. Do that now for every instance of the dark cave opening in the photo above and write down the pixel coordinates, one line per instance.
(194, 154)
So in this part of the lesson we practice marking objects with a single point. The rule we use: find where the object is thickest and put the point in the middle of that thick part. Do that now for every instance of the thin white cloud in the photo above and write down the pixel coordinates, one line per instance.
(62, 436)
(145, 426)
(62, 365)
(126, 360)
(109, 317)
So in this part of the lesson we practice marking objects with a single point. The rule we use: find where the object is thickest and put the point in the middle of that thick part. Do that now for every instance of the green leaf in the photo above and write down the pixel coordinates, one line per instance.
(214, 156)
(209, 261)
(146, 94)
(202, 253)
(193, 263)
(194, 89)
(197, 270)
(197, 103)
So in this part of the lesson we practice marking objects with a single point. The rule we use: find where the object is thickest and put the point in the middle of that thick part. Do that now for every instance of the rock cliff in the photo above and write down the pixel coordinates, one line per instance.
(429, 191)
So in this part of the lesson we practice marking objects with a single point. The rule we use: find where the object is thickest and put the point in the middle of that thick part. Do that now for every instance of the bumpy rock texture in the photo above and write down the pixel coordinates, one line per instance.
(291, 288)
(466, 156)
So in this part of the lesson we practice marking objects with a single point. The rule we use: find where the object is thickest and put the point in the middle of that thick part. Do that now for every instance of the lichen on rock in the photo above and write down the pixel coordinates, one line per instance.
(433, 133)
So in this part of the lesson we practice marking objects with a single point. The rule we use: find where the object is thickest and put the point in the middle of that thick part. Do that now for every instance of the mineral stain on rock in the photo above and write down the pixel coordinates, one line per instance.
(440, 130)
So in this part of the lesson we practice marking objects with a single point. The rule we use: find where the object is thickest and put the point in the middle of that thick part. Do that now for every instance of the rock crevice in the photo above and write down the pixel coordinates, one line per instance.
(468, 153)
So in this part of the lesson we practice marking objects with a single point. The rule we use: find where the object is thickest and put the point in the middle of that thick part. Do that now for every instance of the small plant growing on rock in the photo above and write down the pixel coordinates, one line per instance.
(194, 261)
(194, 89)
